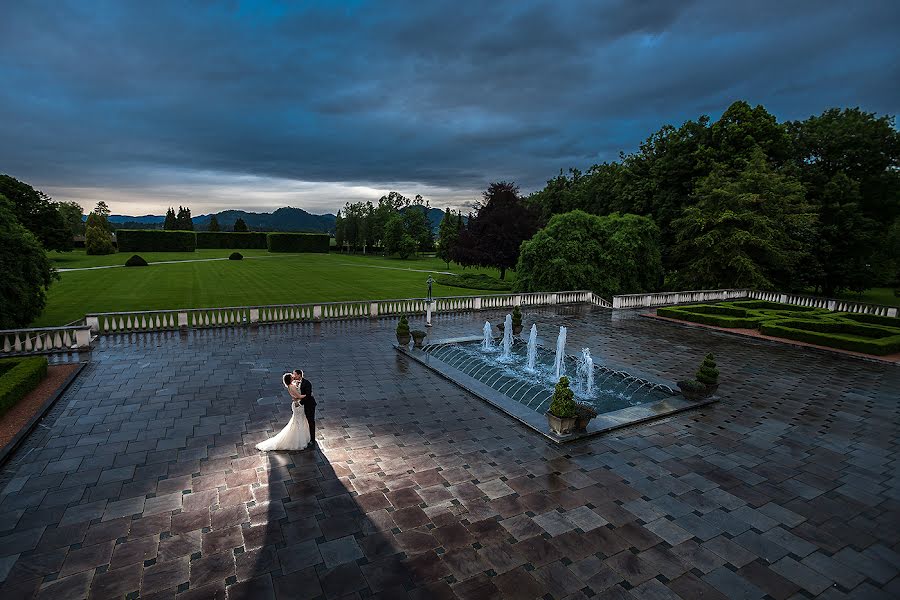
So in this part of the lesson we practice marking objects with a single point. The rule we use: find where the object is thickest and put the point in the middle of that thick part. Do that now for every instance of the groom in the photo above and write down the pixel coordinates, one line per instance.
(309, 404)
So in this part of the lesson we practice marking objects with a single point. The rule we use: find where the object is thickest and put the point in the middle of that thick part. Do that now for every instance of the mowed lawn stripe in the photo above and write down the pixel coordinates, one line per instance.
(281, 279)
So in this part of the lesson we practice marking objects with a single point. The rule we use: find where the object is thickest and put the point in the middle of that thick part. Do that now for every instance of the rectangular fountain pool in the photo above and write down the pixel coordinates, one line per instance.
(506, 382)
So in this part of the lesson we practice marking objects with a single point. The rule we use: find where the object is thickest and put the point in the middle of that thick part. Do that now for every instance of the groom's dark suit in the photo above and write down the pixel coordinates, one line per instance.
(309, 407)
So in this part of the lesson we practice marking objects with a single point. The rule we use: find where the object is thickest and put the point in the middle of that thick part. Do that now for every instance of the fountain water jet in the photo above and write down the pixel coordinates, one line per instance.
(487, 344)
(532, 348)
(585, 372)
(507, 338)
(559, 366)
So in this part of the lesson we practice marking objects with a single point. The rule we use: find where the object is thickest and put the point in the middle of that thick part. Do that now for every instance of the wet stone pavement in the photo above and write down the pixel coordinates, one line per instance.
(144, 481)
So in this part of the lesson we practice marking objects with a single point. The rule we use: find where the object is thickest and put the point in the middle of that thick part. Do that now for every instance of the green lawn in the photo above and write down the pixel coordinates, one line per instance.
(873, 296)
(270, 279)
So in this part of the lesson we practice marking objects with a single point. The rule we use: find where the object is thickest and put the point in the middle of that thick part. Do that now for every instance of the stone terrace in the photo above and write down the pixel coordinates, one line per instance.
(144, 480)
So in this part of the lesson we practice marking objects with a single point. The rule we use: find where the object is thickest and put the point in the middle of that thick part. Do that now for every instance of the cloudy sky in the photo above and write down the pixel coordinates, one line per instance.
(257, 105)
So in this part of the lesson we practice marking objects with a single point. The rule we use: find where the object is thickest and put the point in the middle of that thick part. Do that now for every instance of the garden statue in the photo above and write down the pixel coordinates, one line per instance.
(430, 282)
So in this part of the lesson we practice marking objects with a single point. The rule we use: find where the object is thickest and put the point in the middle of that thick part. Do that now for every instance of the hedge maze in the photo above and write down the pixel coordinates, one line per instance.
(869, 334)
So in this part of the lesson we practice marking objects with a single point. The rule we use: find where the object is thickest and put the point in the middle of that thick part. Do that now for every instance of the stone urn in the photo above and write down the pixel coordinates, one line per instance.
(418, 337)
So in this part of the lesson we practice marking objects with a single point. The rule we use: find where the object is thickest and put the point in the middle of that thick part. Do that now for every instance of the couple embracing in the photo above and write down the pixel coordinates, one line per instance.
(300, 432)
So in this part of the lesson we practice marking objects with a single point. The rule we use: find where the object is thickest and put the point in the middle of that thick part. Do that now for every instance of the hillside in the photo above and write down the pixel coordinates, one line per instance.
(283, 219)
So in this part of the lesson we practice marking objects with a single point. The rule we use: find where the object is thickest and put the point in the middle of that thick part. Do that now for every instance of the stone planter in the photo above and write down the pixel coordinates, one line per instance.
(560, 426)
(418, 337)
(581, 423)
(711, 389)
(517, 329)
(691, 393)
(403, 340)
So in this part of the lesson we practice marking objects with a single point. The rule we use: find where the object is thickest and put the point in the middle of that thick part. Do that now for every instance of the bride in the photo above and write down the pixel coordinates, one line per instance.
(295, 435)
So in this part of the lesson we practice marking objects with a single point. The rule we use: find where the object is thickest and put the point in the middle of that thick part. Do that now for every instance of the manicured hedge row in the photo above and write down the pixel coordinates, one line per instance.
(835, 339)
(22, 376)
(230, 239)
(873, 319)
(716, 320)
(766, 305)
(298, 242)
(155, 240)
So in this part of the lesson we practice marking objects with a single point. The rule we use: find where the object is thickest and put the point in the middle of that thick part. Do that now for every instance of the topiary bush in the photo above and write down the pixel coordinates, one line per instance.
(236, 256)
(136, 261)
(562, 404)
(403, 330)
(20, 376)
(708, 374)
(517, 317)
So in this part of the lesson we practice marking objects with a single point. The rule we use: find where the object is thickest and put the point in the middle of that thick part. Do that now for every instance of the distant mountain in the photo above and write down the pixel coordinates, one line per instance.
(283, 219)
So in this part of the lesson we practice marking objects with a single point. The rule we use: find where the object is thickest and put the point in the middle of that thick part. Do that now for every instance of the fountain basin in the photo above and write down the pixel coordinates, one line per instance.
(526, 396)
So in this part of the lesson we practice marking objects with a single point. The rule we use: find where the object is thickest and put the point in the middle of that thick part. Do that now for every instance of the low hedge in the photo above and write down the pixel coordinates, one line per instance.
(873, 319)
(717, 320)
(474, 281)
(298, 242)
(155, 240)
(844, 339)
(254, 240)
(766, 305)
(20, 376)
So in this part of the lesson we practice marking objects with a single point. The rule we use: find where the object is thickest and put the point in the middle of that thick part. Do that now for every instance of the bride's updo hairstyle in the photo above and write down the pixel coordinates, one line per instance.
(286, 380)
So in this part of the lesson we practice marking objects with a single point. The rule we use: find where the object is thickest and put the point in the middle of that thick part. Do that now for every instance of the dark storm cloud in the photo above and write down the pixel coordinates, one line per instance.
(446, 95)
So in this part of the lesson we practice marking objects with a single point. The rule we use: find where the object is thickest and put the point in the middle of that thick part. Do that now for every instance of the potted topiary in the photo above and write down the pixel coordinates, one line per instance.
(691, 389)
(517, 320)
(562, 413)
(708, 374)
(418, 336)
(583, 415)
(136, 261)
(403, 332)
(235, 256)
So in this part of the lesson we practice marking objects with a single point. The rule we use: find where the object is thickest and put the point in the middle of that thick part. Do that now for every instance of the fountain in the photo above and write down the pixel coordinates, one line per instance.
(487, 344)
(585, 372)
(532, 349)
(507, 338)
(559, 365)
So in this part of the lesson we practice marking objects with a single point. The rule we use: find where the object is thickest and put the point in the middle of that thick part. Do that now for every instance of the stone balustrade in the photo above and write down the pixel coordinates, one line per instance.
(44, 340)
(121, 322)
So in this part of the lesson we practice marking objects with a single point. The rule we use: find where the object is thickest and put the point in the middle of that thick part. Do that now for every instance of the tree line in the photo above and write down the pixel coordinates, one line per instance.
(395, 225)
(746, 201)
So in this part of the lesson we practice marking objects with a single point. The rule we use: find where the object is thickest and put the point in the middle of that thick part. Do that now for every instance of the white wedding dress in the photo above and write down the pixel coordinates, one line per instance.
(294, 436)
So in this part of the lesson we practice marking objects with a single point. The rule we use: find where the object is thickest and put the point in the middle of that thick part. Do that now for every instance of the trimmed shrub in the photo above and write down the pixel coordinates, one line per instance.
(766, 305)
(842, 335)
(20, 377)
(563, 403)
(686, 313)
(708, 374)
(474, 281)
(136, 261)
(872, 319)
(298, 242)
(97, 241)
(255, 240)
(517, 316)
(235, 256)
(156, 240)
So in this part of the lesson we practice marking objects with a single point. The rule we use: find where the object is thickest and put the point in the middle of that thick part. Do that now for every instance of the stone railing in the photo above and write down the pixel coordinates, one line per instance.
(829, 303)
(197, 318)
(44, 340)
(671, 298)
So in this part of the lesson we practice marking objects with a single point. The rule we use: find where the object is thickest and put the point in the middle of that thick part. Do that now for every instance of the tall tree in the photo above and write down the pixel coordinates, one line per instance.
(27, 272)
(744, 230)
(213, 224)
(240, 226)
(171, 222)
(183, 220)
(448, 233)
(394, 231)
(73, 216)
(38, 213)
(415, 220)
(493, 236)
(849, 162)
(339, 231)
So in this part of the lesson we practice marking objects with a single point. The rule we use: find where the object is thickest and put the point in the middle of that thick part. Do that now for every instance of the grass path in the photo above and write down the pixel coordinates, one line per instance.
(192, 280)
